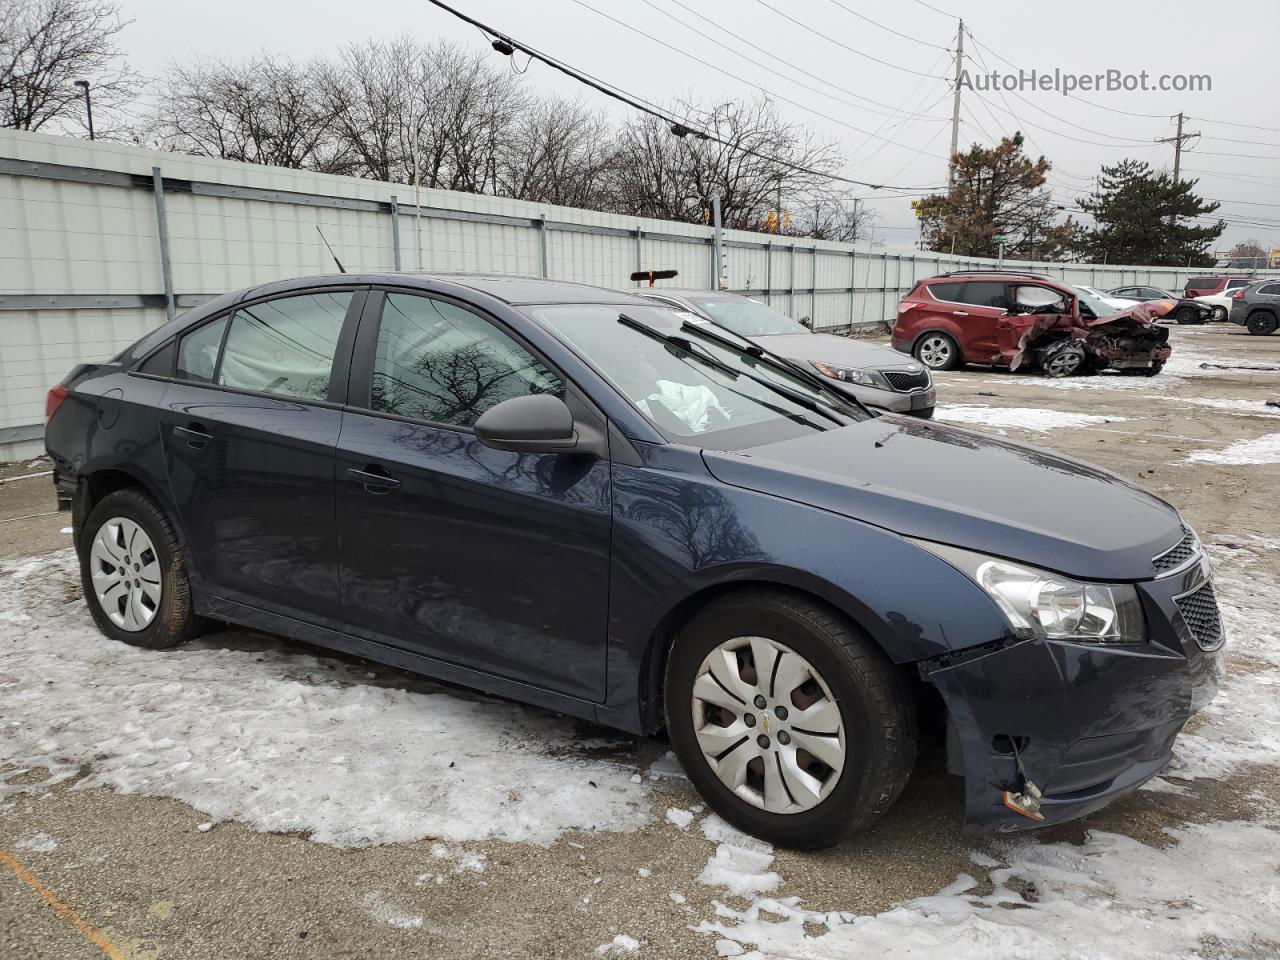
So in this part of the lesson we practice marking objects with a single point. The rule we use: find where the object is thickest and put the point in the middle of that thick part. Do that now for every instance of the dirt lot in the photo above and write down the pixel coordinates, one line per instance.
(246, 797)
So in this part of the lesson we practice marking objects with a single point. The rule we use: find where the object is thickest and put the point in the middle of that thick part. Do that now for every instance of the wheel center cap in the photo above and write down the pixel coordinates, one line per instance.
(764, 722)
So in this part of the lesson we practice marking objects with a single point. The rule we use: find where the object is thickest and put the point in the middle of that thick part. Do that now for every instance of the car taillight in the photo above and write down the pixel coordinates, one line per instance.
(53, 400)
(907, 305)
(1239, 295)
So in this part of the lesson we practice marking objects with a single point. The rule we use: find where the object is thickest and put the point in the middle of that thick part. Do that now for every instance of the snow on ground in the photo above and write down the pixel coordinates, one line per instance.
(1264, 449)
(1023, 418)
(389, 913)
(1249, 408)
(37, 843)
(283, 740)
(619, 944)
(1213, 890)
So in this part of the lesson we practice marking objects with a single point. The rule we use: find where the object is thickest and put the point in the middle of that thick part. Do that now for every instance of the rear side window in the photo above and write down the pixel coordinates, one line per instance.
(198, 353)
(985, 293)
(1200, 283)
(1270, 290)
(947, 291)
(1241, 282)
(440, 363)
(285, 346)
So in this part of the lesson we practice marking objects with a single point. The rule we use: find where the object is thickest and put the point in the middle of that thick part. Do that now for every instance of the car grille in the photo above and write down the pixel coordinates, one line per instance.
(1175, 557)
(1200, 611)
(903, 380)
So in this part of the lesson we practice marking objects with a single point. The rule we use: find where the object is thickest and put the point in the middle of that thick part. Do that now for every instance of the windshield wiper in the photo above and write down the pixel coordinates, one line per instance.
(780, 363)
(687, 346)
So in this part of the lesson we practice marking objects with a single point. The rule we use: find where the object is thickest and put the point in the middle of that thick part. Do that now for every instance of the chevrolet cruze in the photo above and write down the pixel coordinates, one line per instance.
(617, 510)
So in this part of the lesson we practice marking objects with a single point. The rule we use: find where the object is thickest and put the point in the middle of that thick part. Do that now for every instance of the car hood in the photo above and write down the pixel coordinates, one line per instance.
(966, 489)
(826, 348)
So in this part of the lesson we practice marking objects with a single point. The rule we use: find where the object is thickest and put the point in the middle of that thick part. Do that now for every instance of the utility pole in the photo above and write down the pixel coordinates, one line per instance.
(1177, 140)
(88, 104)
(955, 105)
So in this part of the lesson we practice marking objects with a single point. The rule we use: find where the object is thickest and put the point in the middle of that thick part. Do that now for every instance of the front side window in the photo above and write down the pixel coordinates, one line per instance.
(443, 364)
(198, 352)
(285, 346)
(747, 317)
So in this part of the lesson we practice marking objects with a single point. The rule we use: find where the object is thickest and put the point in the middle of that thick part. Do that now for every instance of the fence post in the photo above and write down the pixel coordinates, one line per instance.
(717, 248)
(768, 272)
(853, 282)
(162, 228)
(542, 246)
(395, 233)
(813, 293)
(791, 281)
(639, 252)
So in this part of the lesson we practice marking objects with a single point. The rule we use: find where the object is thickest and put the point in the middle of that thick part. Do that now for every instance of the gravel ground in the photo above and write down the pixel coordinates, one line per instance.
(137, 872)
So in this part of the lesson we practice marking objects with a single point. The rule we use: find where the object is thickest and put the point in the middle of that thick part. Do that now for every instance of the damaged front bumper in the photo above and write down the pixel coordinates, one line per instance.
(1088, 722)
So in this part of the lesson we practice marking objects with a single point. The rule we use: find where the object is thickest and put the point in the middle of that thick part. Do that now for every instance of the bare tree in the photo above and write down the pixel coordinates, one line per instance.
(557, 151)
(265, 110)
(45, 46)
(835, 218)
(755, 156)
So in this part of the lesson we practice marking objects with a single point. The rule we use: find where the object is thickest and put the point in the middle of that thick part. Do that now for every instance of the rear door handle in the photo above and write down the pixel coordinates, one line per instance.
(373, 479)
(196, 438)
(959, 313)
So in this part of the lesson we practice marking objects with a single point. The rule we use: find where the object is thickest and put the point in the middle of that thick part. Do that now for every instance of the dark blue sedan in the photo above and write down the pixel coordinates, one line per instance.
(584, 500)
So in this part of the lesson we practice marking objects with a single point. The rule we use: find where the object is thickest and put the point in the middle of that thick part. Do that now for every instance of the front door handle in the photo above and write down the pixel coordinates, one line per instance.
(196, 438)
(374, 479)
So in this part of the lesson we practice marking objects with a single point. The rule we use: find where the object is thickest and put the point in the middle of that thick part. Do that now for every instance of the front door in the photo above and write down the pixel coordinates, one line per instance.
(249, 434)
(985, 302)
(488, 559)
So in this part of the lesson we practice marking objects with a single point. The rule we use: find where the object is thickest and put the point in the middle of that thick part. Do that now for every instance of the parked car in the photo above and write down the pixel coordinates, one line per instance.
(1257, 307)
(873, 374)
(581, 499)
(1185, 311)
(1211, 284)
(1023, 321)
(1115, 303)
(1219, 303)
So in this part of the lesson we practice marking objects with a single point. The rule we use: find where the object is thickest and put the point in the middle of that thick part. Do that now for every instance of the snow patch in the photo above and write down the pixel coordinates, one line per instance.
(255, 729)
(465, 861)
(680, 818)
(1264, 449)
(740, 864)
(619, 944)
(37, 843)
(389, 913)
(1023, 418)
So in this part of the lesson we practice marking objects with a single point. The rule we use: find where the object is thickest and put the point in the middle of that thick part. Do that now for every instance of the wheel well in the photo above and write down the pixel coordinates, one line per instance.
(924, 333)
(103, 482)
(1257, 310)
(653, 669)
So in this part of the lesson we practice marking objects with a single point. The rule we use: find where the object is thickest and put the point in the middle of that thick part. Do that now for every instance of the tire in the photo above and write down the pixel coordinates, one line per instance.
(129, 529)
(937, 351)
(856, 690)
(1218, 314)
(1064, 361)
(1154, 369)
(1261, 323)
(1186, 315)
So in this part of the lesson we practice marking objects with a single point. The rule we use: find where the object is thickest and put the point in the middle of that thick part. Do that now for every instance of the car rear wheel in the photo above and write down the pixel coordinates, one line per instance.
(1218, 314)
(792, 724)
(937, 351)
(134, 574)
(1261, 324)
(1187, 314)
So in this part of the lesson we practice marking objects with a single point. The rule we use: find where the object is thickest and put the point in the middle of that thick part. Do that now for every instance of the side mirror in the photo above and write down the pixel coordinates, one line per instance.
(806, 322)
(538, 423)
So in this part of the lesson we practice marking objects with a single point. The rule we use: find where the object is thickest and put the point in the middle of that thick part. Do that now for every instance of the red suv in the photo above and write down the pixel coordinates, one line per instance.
(1204, 286)
(1023, 320)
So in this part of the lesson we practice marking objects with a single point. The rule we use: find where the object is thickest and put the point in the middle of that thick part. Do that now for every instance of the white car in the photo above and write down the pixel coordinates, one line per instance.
(1117, 303)
(1219, 304)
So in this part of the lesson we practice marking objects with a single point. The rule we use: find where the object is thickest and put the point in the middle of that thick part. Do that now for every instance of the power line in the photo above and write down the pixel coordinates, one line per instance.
(794, 66)
(765, 66)
(728, 73)
(504, 43)
(905, 36)
(845, 46)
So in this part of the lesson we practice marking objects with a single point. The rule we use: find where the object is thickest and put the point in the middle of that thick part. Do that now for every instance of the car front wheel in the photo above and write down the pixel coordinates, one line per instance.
(793, 725)
(937, 351)
(134, 573)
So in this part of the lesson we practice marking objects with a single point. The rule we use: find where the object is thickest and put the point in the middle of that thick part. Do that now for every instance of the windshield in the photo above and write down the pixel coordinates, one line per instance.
(746, 317)
(701, 390)
(1099, 308)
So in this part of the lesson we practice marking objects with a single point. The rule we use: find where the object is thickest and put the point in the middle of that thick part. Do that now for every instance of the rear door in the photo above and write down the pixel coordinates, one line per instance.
(249, 427)
(488, 559)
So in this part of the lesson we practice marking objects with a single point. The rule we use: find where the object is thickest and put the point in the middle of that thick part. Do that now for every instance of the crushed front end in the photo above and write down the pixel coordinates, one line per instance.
(1129, 340)
(1085, 723)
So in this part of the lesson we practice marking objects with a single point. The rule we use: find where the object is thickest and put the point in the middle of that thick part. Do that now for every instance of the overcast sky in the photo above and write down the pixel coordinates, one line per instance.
(1235, 45)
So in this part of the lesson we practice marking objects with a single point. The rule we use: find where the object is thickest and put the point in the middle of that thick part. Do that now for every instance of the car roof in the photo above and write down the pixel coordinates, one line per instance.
(516, 291)
(689, 292)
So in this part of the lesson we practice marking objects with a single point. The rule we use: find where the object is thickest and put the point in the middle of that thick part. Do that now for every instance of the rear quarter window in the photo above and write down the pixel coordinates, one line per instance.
(198, 352)
(947, 291)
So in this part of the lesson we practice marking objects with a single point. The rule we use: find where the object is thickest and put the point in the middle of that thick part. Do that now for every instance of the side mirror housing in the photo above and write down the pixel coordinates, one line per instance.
(538, 423)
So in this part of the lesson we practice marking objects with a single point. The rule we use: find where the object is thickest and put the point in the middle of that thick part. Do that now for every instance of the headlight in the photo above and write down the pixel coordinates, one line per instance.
(1038, 603)
(865, 378)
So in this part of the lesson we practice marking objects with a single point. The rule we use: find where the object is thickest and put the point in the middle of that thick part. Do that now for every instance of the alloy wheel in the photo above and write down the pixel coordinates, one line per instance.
(935, 352)
(126, 574)
(768, 725)
(1064, 363)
